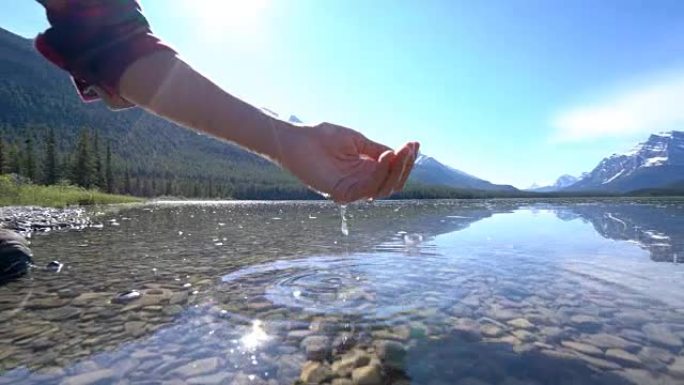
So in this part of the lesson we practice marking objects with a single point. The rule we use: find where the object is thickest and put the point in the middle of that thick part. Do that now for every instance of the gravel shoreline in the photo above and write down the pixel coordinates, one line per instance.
(29, 219)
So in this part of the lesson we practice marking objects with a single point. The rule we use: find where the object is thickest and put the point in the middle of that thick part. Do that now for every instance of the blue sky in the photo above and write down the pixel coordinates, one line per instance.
(513, 91)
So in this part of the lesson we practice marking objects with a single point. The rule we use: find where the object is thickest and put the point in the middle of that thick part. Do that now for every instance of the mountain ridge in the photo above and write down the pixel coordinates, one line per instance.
(428, 170)
(654, 163)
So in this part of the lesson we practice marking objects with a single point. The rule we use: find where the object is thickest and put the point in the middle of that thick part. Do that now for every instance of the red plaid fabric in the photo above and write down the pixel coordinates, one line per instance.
(95, 41)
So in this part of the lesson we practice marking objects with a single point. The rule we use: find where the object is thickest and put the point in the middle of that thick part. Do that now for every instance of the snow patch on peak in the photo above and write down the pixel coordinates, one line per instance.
(655, 161)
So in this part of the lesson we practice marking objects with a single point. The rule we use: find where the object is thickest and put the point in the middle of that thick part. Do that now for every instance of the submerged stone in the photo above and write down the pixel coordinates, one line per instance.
(315, 373)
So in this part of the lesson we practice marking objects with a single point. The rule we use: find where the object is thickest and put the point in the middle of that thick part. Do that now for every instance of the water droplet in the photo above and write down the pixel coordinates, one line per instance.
(344, 227)
(412, 239)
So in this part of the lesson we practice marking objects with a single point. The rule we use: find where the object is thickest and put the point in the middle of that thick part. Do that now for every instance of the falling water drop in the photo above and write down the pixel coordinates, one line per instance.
(343, 214)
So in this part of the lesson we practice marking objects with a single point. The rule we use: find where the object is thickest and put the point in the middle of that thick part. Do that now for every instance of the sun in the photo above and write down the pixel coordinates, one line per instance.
(217, 18)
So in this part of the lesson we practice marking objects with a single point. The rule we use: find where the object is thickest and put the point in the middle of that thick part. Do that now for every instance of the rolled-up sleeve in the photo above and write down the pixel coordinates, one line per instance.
(95, 41)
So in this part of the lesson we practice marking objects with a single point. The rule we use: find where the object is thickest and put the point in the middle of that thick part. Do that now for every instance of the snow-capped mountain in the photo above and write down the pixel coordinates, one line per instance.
(562, 182)
(656, 163)
(429, 171)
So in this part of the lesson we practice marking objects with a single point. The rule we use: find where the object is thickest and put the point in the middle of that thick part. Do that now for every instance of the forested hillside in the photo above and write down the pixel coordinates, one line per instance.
(47, 134)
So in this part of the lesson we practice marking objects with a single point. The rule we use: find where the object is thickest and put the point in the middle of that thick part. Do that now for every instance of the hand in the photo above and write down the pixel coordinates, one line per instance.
(344, 164)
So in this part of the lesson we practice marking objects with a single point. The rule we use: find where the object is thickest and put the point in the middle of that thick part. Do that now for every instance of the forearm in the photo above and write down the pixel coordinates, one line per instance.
(167, 86)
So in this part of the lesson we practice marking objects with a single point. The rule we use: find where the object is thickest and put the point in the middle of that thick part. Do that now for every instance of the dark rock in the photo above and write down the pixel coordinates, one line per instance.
(55, 266)
(126, 296)
(15, 255)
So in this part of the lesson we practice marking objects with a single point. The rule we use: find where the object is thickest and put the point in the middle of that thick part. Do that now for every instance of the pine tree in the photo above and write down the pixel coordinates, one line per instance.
(109, 176)
(127, 182)
(13, 161)
(83, 169)
(29, 160)
(99, 179)
(50, 175)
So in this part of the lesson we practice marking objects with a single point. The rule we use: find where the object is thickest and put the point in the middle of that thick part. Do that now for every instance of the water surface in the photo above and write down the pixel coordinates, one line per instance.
(442, 292)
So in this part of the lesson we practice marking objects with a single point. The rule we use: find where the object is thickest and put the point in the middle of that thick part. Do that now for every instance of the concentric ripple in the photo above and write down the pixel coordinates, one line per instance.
(367, 285)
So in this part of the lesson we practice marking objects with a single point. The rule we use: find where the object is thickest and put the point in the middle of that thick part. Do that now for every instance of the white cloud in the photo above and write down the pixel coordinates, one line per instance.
(651, 107)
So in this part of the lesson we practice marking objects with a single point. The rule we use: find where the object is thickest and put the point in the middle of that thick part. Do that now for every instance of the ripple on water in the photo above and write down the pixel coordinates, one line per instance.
(371, 286)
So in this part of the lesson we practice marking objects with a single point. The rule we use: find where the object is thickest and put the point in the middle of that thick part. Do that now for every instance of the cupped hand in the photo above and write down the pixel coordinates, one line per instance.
(344, 164)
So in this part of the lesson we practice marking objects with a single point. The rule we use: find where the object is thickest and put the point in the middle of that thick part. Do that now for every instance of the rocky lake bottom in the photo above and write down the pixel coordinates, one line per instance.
(504, 292)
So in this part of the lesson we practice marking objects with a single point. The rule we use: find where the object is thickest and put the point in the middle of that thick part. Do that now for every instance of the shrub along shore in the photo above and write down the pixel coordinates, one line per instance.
(17, 193)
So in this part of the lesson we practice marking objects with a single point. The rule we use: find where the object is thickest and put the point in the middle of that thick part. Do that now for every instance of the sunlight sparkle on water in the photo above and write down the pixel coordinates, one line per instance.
(256, 337)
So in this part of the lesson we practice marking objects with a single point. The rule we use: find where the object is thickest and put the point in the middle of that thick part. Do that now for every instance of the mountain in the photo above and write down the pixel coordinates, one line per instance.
(429, 171)
(655, 163)
(562, 182)
(161, 157)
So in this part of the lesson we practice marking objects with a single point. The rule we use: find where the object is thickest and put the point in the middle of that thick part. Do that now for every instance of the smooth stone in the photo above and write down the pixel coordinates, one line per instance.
(367, 375)
(651, 355)
(583, 348)
(350, 361)
(676, 369)
(467, 328)
(316, 347)
(212, 379)
(67, 293)
(135, 328)
(608, 341)
(662, 335)
(179, 298)
(91, 299)
(198, 368)
(342, 381)
(172, 310)
(61, 314)
(315, 373)
(585, 321)
(598, 362)
(623, 357)
(502, 314)
(46, 303)
(521, 323)
(491, 330)
(524, 335)
(471, 301)
(391, 353)
(89, 378)
(298, 334)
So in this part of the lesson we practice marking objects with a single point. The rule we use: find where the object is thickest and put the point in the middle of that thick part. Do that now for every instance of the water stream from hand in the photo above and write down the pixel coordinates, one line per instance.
(344, 227)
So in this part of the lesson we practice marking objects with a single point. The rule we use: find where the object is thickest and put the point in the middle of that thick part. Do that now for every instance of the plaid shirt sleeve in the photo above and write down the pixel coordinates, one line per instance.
(95, 41)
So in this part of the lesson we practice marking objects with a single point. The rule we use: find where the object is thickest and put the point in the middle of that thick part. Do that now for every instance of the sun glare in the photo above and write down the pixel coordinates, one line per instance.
(216, 18)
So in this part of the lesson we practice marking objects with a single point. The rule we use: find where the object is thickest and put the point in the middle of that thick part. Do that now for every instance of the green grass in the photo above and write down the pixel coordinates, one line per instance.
(21, 194)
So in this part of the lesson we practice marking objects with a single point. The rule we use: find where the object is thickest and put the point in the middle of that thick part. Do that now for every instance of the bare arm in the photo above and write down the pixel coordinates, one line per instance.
(334, 160)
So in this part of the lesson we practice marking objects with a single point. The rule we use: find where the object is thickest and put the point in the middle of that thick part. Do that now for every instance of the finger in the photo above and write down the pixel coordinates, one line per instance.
(369, 148)
(365, 182)
(415, 146)
(395, 172)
